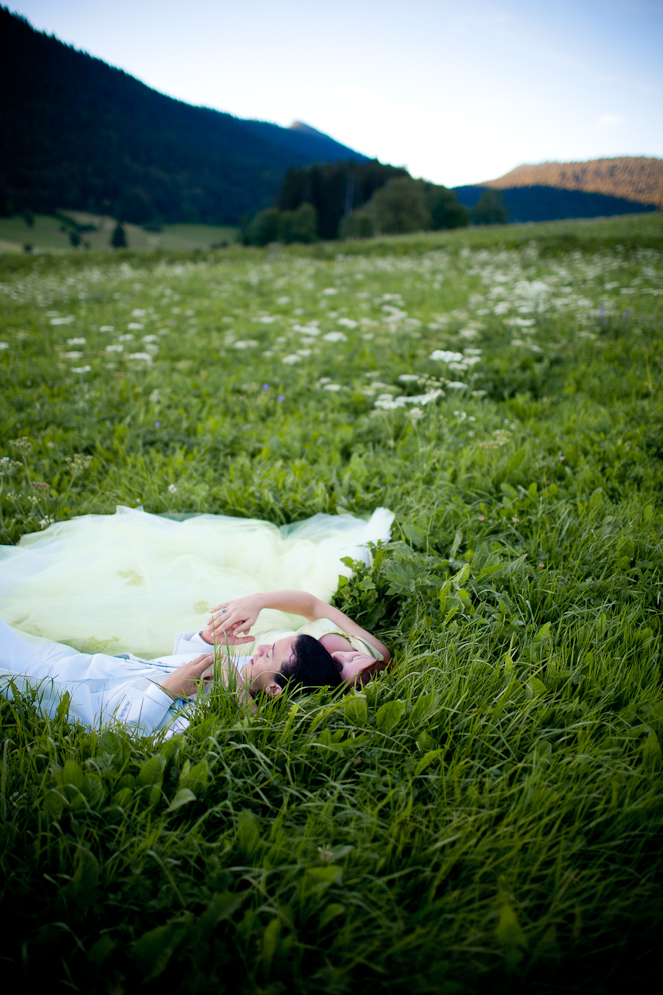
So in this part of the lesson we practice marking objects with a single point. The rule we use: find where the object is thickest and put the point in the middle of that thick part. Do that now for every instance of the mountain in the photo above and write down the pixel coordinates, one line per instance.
(81, 135)
(635, 178)
(548, 203)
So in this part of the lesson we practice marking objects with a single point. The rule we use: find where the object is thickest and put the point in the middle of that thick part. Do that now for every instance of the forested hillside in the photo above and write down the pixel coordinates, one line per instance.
(636, 178)
(548, 203)
(79, 134)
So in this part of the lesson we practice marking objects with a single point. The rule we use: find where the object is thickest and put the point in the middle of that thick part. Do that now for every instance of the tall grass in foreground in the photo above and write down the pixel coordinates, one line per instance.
(488, 815)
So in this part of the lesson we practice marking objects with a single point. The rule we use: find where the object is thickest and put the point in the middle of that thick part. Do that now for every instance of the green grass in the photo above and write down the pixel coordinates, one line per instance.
(50, 234)
(486, 817)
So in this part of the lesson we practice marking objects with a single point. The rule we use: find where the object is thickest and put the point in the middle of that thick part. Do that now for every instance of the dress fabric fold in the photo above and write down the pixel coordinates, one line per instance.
(128, 582)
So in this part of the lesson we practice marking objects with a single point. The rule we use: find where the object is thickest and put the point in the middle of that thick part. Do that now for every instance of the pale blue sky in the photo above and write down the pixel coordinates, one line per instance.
(456, 91)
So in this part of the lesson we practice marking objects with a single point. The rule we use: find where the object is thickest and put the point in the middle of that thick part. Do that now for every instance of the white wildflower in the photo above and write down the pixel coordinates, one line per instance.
(388, 403)
(292, 358)
(470, 360)
(127, 337)
(444, 356)
(304, 352)
(114, 348)
(347, 322)
(468, 333)
(335, 337)
(267, 319)
(283, 300)
(458, 367)
(332, 386)
(154, 396)
(245, 344)
(63, 321)
(150, 338)
(330, 291)
(4, 345)
(142, 356)
(408, 377)
(135, 326)
(73, 355)
(138, 312)
(172, 489)
(81, 369)
(415, 414)
(75, 341)
(107, 328)
(456, 385)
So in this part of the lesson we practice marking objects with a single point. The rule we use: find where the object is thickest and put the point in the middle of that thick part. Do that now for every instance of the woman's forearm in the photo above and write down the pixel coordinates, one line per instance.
(293, 603)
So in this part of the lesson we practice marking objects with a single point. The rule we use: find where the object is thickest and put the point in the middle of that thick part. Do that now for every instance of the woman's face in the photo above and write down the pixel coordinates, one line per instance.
(352, 663)
(267, 661)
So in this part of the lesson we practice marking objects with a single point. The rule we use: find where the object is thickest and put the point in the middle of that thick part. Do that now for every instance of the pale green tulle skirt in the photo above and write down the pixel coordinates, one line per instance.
(128, 582)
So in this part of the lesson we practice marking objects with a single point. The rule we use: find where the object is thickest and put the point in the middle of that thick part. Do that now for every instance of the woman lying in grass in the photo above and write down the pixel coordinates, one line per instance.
(328, 651)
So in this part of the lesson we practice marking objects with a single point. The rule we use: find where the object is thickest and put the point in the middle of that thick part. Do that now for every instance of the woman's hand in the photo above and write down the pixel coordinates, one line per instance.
(232, 617)
(185, 681)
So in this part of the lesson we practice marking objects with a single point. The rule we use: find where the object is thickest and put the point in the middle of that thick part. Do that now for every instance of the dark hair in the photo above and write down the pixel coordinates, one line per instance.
(309, 666)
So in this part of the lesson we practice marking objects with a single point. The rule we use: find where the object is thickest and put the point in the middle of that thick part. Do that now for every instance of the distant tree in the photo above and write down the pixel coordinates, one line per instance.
(265, 227)
(358, 224)
(28, 248)
(29, 218)
(334, 189)
(445, 210)
(75, 239)
(400, 206)
(300, 225)
(118, 239)
(490, 209)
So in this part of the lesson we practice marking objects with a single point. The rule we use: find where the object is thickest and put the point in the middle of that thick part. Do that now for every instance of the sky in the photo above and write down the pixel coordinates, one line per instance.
(458, 91)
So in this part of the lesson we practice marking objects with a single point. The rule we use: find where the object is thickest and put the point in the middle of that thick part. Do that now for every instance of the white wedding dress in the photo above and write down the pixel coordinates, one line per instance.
(128, 582)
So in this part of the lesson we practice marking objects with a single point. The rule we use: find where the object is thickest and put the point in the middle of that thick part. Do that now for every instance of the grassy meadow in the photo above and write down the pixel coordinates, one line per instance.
(485, 818)
(51, 234)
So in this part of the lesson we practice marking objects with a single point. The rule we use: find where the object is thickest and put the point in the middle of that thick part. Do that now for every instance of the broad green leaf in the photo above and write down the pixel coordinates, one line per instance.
(53, 804)
(62, 710)
(332, 911)
(426, 760)
(651, 750)
(389, 715)
(72, 774)
(509, 932)
(269, 941)
(318, 879)
(151, 772)
(154, 948)
(462, 575)
(248, 830)
(183, 797)
(543, 633)
(356, 709)
(221, 906)
(414, 534)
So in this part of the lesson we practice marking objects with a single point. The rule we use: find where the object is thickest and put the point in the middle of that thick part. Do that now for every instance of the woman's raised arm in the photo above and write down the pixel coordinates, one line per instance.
(240, 614)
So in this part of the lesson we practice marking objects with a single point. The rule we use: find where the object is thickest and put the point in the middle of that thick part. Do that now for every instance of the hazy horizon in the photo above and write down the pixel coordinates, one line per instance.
(457, 97)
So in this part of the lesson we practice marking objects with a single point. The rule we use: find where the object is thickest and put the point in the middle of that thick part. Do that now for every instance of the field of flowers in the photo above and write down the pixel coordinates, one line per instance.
(486, 817)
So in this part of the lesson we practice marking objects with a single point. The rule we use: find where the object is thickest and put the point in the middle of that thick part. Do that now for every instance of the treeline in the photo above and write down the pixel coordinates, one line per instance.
(359, 200)
(635, 178)
(78, 134)
(552, 204)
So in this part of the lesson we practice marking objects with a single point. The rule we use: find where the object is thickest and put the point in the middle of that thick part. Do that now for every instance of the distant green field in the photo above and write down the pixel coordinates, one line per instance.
(49, 233)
